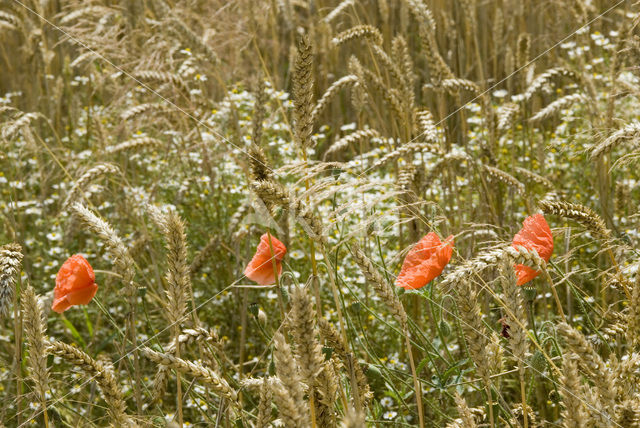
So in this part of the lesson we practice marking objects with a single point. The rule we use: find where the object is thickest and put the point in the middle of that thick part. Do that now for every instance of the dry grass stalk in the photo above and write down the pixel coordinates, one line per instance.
(178, 283)
(288, 409)
(259, 113)
(188, 336)
(336, 11)
(480, 348)
(455, 85)
(514, 302)
(427, 126)
(447, 160)
(405, 150)
(573, 414)
(125, 266)
(162, 77)
(474, 330)
(303, 328)
(517, 322)
(259, 164)
(308, 349)
(402, 56)
(181, 30)
(633, 314)
(178, 274)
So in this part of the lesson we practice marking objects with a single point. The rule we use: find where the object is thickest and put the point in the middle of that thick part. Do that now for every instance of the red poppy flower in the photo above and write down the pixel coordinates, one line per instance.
(260, 268)
(535, 235)
(75, 284)
(425, 261)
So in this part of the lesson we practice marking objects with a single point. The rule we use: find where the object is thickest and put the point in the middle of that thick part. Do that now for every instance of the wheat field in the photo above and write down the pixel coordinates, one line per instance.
(292, 213)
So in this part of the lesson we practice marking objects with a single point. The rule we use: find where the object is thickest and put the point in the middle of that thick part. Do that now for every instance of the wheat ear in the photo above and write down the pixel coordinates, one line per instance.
(264, 406)
(34, 328)
(518, 339)
(573, 414)
(289, 383)
(10, 265)
(197, 370)
(333, 339)
(125, 265)
(591, 362)
(101, 373)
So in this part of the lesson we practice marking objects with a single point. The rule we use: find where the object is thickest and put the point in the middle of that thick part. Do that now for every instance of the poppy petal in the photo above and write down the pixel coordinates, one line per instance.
(425, 261)
(75, 284)
(535, 235)
(77, 297)
(260, 268)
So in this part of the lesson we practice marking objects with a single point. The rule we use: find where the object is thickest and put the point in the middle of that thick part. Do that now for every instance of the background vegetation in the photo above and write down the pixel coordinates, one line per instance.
(162, 138)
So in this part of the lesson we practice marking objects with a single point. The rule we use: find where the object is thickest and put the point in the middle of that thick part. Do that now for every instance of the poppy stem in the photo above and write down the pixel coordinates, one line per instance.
(416, 383)
(490, 402)
(336, 299)
(555, 295)
(312, 249)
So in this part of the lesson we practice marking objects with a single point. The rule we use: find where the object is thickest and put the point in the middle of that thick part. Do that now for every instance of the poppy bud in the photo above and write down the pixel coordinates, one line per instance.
(529, 293)
(538, 363)
(445, 328)
(253, 309)
(262, 317)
